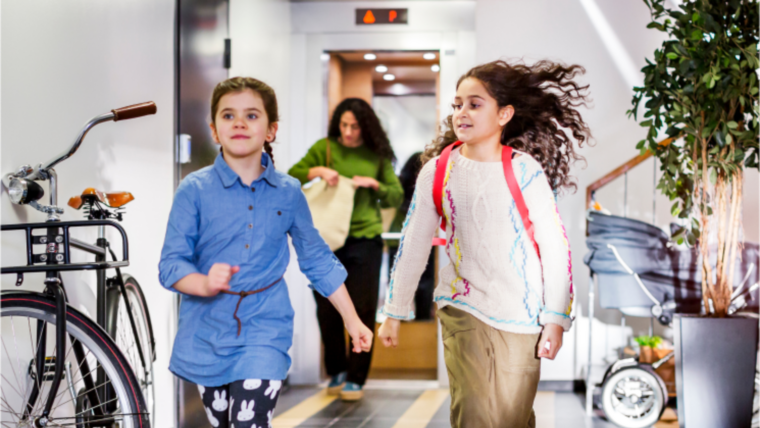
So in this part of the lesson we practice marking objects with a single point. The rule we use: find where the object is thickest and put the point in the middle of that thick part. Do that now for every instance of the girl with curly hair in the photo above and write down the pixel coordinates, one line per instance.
(503, 303)
(360, 150)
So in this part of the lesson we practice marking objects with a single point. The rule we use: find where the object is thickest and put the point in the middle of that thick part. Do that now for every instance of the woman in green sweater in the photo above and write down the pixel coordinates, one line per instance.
(360, 150)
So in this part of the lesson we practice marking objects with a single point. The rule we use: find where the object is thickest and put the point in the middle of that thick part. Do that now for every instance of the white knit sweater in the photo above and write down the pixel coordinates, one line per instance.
(495, 273)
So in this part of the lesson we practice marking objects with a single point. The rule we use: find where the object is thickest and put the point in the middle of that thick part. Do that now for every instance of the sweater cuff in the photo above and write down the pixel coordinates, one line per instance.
(551, 317)
(382, 190)
(404, 313)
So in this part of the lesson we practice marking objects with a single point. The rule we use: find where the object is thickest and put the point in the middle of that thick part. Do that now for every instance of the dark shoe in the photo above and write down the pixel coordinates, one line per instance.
(351, 392)
(336, 384)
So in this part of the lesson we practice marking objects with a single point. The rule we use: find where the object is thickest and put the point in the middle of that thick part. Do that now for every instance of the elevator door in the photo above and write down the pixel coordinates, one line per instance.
(202, 30)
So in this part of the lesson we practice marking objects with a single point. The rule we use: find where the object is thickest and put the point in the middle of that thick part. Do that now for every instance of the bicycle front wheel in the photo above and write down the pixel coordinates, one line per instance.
(120, 329)
(113, 398)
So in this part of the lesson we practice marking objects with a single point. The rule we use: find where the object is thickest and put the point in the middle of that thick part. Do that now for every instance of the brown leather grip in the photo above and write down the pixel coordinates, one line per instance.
(133, 111)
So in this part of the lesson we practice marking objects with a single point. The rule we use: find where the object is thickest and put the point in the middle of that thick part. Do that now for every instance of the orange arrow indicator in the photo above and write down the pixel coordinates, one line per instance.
(392, 15)
(369, 18)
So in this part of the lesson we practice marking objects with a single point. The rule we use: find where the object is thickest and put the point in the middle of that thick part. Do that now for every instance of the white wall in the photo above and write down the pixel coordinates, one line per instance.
(62, 63)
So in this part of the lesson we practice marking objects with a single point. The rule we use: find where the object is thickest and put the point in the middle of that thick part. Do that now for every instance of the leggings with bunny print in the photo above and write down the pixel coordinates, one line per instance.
(242, 404)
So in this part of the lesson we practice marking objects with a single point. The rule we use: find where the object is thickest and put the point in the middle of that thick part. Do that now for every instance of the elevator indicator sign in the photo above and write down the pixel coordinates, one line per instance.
(381, 16)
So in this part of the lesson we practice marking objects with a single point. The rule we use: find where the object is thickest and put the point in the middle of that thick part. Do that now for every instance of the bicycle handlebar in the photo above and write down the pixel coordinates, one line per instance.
(123, 113)
(134, 111)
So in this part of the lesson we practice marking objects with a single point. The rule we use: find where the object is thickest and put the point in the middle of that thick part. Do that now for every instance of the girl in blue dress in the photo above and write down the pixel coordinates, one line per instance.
(226, 251)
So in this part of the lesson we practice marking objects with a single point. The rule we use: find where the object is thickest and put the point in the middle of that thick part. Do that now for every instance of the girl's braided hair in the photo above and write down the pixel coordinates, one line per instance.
(239, 84)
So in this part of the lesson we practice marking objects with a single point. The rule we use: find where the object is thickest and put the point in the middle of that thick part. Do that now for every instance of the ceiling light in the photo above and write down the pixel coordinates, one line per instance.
(429, 55)
(370, 56)
(381, 68)
(435, 67)
(389, 77)
(324, 57)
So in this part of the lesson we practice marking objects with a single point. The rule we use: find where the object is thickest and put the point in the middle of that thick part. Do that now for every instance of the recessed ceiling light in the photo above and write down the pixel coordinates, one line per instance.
(381, 68)
(389, 77)
(429, 55)
(324, 57)
(435, 67)
(370, 56)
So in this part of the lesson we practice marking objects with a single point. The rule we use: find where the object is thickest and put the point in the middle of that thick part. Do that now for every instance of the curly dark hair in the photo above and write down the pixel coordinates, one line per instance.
(373, 135)
(543, 96)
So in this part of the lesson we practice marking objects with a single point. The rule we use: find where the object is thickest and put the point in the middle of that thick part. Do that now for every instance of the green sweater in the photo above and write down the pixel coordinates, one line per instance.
(350, 162)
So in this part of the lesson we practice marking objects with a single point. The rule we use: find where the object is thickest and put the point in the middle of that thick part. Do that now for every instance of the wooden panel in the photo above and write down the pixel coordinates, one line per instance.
(417, 348)
(334, 84)
(357, 81)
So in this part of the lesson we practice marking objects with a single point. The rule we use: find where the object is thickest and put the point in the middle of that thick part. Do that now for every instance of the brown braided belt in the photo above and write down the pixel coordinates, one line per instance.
(243, 295)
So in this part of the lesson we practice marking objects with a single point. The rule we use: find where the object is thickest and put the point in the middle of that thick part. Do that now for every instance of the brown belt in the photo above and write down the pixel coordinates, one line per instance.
(243, 295)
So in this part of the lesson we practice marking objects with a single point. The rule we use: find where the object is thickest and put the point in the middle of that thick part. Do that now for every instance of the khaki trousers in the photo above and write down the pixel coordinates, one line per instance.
(493, 374)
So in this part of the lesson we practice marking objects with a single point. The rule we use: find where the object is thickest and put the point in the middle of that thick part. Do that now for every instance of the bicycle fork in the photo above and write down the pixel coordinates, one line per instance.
(54, 287)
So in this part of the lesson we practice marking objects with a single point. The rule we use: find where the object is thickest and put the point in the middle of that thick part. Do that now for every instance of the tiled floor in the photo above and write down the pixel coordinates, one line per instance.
(410, 407)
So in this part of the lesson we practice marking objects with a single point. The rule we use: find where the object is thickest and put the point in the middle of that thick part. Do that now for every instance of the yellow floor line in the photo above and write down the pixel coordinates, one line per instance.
(303, 410)
(423, 409)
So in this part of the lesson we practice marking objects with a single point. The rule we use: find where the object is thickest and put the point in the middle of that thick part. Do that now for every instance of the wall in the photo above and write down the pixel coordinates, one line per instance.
(63, 63)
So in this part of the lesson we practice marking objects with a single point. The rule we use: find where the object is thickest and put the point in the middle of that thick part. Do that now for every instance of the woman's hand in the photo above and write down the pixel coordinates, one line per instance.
(368, 182)
(388, 332)
(551, 341)
(327, 174)
(361, 336)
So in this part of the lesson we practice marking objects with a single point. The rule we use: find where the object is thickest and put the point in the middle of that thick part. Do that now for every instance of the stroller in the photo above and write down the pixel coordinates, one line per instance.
(640, 274)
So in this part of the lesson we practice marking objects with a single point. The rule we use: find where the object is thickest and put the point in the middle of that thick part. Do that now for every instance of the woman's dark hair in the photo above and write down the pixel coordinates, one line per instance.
(545, 98)
(408, 179)
(240, 84)
(373, 135)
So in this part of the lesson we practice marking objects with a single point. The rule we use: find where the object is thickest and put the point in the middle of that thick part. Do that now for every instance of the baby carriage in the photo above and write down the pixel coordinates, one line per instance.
(640, 273)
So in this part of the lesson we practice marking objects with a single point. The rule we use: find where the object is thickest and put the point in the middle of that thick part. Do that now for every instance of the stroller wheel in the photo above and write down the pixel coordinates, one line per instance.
(634, 397)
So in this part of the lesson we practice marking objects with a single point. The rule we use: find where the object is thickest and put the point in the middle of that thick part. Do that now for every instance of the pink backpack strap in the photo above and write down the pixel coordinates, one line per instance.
(440, 175)
(514, 189)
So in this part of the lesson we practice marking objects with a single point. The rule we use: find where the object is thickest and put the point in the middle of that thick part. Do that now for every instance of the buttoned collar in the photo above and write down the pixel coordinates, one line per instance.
(229, 177)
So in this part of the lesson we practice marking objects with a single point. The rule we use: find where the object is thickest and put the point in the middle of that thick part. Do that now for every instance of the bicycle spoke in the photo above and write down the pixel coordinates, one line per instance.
(15, 343)
(8, 406)
(6, 381)
(13, 368)
(85, 392)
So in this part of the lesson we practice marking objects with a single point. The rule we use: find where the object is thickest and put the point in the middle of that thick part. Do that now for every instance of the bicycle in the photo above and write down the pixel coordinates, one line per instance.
(109, 377)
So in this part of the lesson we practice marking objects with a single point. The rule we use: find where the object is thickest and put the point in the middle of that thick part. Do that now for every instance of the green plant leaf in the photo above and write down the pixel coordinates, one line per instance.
(696, 35)
(672, 55)
(713, 176)
(732, 125)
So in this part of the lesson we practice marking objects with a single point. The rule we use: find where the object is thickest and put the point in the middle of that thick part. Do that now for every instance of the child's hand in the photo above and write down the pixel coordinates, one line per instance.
(368, 182)
(551, 341)
(361, 336)
(388, 332)
(218, 278)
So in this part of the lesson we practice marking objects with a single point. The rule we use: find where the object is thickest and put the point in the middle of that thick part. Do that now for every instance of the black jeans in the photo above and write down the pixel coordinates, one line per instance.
(362, 258)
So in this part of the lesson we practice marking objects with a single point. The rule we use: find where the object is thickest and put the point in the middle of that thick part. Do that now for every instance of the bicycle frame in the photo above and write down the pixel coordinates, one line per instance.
(56, 261)
(60, 261)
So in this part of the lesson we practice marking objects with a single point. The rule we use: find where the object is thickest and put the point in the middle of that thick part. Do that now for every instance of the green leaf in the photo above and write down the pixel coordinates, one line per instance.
(713, 176)
(696, 35)
(732, 125)
(672, 55)
(695, 17)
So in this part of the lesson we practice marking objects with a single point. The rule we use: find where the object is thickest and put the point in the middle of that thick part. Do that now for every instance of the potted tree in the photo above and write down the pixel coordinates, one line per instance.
(701, 90)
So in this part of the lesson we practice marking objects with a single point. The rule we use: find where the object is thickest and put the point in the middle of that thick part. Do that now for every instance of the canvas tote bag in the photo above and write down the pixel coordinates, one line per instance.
(331, 207)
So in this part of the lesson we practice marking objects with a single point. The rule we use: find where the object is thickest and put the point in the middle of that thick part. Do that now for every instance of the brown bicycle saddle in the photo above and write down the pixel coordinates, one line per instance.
(113, 199)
